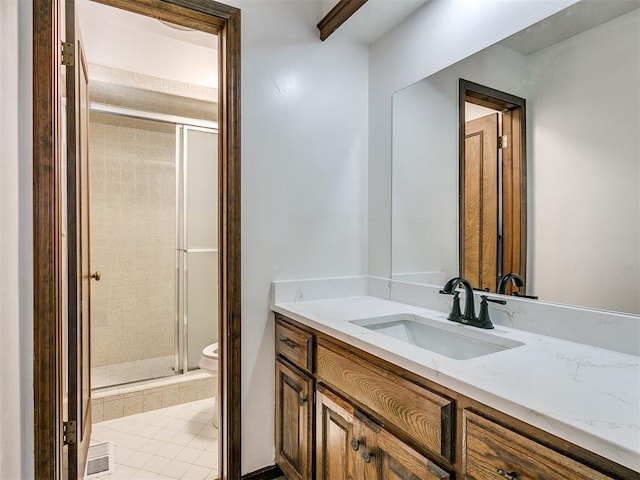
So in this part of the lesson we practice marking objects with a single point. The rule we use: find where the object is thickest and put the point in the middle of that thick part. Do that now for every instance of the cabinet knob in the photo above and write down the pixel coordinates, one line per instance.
(508, 475)
(367, 456)
(355, 444)
(96, 276)
(301, 400)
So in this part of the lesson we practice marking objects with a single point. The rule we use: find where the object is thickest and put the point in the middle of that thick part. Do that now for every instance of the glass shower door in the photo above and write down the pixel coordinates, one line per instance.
(197, 252)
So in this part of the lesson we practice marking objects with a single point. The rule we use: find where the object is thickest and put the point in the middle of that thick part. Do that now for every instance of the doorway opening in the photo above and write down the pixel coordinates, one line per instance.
(57, 424)
(492, 190)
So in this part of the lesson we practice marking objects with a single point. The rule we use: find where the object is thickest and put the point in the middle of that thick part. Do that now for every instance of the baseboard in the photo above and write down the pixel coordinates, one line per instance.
(266, 473)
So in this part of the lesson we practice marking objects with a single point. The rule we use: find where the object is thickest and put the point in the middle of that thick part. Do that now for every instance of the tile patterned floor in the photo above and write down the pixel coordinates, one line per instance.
(171, 443)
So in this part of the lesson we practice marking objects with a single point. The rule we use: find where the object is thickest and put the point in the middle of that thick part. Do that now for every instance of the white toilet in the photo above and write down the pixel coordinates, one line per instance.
(209, 363)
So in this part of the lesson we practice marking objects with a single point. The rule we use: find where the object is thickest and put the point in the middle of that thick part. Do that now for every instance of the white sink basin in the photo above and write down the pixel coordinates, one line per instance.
(451, 340)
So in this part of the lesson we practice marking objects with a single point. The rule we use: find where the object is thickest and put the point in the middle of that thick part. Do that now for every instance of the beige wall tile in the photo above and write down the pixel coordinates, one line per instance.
(170, 396)
(152, 400)
(113, 408)
(188, 392)
(133, 404)
(97, 410)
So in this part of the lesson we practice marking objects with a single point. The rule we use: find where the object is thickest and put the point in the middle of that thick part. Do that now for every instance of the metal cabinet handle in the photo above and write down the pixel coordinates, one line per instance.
(289, 343)
(508, 475)
(301, 400)
(96, 275)
(355, 444)
(367, 456)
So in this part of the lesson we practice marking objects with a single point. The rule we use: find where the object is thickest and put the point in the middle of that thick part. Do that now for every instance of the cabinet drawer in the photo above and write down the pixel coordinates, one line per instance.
(294, 344)
(424, 416)
(491, 451)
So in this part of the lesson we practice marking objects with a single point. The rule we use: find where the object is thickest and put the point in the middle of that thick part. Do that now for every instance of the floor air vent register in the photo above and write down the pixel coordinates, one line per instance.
(100, 459)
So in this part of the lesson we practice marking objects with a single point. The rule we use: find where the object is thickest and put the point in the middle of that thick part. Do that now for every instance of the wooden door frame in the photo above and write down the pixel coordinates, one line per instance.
(497, 100)
(205, 15)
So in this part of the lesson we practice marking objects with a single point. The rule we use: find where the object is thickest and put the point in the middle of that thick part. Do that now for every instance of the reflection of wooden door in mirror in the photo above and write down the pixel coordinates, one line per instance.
(492, 186)
(481, 202)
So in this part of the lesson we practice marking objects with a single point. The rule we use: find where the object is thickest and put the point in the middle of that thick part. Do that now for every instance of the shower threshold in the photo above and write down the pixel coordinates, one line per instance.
(130, 372)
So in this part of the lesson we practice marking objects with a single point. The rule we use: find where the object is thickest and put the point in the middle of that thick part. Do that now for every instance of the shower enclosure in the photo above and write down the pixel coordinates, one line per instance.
(154, 224)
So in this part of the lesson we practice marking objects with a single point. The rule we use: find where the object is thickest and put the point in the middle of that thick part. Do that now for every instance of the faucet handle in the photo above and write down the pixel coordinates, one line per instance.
(456, 313)
(483, 320)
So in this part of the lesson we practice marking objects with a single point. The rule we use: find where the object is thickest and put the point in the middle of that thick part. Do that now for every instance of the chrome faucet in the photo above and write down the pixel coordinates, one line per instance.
(469, 316)
(516, 279)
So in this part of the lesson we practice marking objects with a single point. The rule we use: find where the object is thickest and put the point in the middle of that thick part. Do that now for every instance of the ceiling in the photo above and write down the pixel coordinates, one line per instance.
(567, 23)
(119, 39)
(377, 17)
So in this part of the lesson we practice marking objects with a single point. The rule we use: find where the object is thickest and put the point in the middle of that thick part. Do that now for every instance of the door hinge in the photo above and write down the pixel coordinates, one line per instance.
(69, 433)
(503, 141)
(68, 54)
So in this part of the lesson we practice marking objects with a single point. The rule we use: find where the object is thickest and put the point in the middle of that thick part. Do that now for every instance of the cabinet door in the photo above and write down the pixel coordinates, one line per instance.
(398, 461)
(334, 438)
(382, 456)
(294, 406)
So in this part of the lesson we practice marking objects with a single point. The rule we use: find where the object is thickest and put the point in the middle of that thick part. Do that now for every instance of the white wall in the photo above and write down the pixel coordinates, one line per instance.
(304, 170)
(16, 294)
(439, 34)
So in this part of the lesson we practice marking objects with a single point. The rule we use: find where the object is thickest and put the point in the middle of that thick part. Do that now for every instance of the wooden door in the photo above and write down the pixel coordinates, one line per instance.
(480, 256)
(294, 405)
(78, 424)
(367, 457)
(382, 456)
(335, 442)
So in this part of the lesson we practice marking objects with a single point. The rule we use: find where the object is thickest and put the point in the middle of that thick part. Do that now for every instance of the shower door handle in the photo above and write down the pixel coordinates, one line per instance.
(96, 276)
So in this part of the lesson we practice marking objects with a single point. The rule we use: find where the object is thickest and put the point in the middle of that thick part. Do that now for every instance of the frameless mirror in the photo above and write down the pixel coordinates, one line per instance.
(579, 72)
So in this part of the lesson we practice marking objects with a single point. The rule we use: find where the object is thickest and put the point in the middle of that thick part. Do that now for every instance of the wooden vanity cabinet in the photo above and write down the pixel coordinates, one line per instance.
(371, 420)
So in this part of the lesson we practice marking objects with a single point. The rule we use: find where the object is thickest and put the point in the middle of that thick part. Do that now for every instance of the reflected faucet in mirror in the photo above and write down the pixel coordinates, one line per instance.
(516, 279)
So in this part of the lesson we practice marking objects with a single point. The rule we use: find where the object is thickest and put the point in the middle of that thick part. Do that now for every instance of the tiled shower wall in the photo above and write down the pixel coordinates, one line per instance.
(132, 190)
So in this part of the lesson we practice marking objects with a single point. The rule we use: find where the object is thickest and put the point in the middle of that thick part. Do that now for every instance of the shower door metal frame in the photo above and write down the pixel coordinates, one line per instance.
(181, 362)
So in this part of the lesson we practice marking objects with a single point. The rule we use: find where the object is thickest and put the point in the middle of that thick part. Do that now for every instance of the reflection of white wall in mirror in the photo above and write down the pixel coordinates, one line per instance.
(473, 111)
(585, 172)
(425, 166)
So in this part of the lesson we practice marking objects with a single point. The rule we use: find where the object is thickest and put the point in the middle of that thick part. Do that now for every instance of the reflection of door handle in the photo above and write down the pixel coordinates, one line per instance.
(96, 275)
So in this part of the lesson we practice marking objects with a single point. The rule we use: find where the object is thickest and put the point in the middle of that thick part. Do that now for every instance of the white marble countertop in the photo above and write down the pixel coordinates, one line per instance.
(586, 395)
